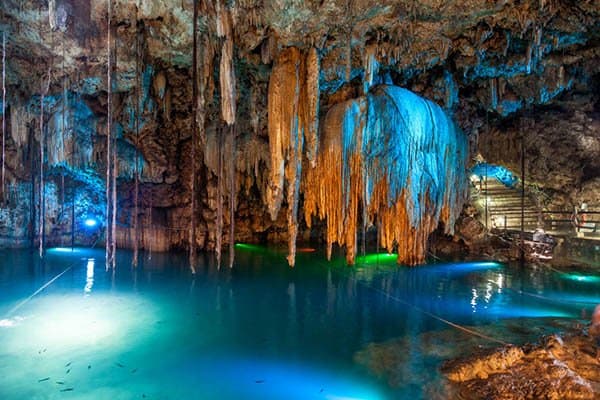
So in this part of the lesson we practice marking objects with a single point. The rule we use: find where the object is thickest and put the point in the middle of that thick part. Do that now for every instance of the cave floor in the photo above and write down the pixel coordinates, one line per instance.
(262, 330)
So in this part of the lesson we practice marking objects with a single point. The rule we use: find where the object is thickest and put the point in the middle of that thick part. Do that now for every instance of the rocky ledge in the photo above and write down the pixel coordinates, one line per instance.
(558, 367)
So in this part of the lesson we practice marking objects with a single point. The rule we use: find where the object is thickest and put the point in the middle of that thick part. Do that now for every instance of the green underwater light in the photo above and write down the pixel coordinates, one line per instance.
(581, 278)
(377, 258)
(250, 247)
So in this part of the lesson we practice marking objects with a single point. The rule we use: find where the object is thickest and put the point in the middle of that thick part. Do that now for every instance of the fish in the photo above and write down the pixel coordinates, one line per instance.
(89, 366)
(68, 364)
(67, 390)
(133, 371)
(119, 365)
(60, 383)
(69, 370)
(44, 379)
(260, 381)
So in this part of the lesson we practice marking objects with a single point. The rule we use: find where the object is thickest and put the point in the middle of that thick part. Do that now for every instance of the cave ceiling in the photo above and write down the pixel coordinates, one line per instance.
(477, 41)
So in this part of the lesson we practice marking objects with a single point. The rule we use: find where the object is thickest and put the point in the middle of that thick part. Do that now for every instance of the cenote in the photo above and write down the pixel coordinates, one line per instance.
(259, 330)
(260, 199)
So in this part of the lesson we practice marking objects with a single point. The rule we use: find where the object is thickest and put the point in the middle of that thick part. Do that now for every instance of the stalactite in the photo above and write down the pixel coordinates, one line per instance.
(115, 173)
(310, 120)
(226, 68)
(136, 189)
(283, 87)
(62, 132)
(205, 87)
(52, 14)
(232, 192)
(538, 43)
(407, 154)
(292, 116)
(370, 67)
(219, 222)
(494, 93)
(561, 76)
(293, 169)
(108, 235)
(192, 239)
(3, 115)
(227, 80)
(42, 199)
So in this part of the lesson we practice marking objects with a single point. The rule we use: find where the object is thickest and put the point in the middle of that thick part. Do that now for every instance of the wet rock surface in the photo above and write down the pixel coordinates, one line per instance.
(563, 364)
(559, 367)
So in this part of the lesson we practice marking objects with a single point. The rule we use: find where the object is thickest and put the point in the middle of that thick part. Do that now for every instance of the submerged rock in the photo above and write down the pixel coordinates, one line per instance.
(559, 367)
(401, 361)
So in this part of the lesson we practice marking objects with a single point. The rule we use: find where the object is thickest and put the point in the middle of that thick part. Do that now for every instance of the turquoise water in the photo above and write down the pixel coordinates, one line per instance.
(258, 331)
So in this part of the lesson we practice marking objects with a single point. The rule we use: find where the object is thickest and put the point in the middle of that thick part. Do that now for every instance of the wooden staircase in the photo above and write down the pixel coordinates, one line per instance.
(503, 205)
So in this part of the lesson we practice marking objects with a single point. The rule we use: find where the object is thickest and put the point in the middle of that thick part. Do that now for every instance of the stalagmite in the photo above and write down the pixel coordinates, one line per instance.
(408, 155)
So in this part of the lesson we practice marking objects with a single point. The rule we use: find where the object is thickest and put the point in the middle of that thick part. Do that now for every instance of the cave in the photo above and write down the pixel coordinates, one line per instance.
(318, 199)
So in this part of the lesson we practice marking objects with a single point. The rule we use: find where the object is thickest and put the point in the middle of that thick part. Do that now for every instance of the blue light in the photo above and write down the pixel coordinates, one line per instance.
(502, 174)
(90, 222)
(61, 250)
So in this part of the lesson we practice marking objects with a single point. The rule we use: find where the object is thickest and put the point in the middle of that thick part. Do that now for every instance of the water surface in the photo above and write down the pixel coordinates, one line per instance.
(260, 330)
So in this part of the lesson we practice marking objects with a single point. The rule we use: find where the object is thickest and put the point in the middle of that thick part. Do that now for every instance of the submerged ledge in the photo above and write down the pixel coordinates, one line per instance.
(557, 367)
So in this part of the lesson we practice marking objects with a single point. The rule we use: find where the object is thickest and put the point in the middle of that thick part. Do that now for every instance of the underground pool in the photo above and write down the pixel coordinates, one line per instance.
(261, 330)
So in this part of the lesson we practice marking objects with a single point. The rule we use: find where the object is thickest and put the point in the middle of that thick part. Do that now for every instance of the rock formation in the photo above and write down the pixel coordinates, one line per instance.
(281, 73)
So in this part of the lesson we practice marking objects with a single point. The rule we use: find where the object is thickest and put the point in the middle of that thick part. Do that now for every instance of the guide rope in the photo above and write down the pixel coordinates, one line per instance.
(462, 328)
(44, 286)
(539, 296)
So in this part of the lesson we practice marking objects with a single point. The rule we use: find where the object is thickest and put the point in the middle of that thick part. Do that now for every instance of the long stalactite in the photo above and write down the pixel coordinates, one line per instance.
(136, 189)
(109, 171)
(3, 116)
(194, 178)
(227, 81)
(293, 108)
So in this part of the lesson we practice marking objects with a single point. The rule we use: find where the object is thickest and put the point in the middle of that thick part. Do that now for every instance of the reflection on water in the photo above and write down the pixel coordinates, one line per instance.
(89, 279)
(261, 329)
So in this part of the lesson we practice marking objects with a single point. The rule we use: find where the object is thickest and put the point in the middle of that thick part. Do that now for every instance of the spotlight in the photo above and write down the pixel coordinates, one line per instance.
(90, 222)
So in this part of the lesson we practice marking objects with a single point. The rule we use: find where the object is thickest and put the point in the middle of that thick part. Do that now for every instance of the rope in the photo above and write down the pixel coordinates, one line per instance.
(44, 286)
(538, 296)
(432, 315)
